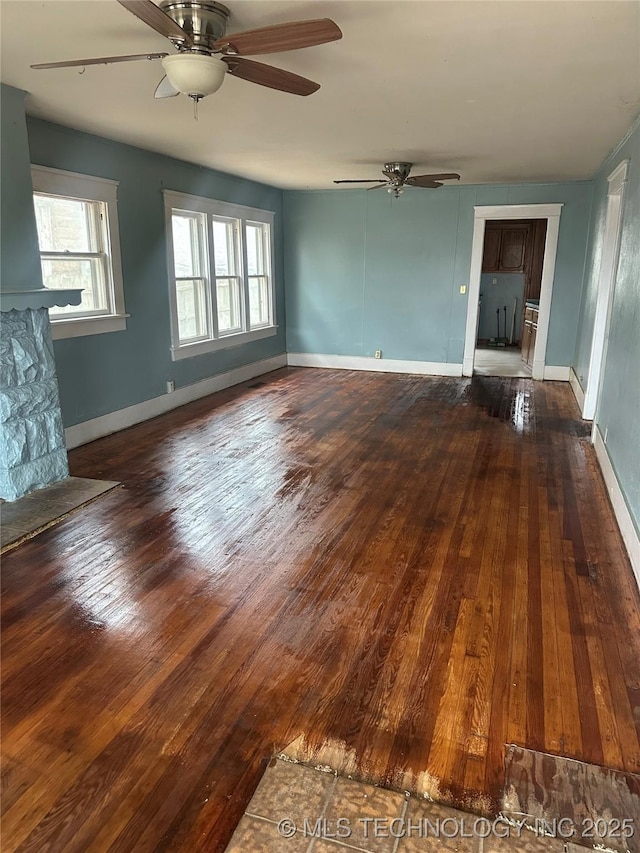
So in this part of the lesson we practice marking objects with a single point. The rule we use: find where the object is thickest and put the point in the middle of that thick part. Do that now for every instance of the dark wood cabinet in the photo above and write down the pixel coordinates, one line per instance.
(491, 256)
(512, 248)
(505, 246)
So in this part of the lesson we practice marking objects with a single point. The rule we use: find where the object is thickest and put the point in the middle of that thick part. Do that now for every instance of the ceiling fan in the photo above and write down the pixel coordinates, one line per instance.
(197, 29)
(397, 178)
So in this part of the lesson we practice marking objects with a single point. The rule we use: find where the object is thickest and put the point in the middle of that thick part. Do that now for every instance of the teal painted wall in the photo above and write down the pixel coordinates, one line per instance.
(508, 286)
(20, 264)
(102, 373)
(365, 271)
(619, 409)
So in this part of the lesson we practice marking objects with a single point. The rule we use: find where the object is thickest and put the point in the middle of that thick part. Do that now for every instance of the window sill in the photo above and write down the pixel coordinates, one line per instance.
(202, 347)
(79, 327)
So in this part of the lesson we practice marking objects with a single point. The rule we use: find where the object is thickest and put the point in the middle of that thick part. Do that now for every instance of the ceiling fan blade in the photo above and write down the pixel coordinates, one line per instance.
(423, 181)
(268, 75)
(379, 187)
(100, 60)
(280, 37)
(359, 181)
(164, 89)
(445, 176)
(158, 20)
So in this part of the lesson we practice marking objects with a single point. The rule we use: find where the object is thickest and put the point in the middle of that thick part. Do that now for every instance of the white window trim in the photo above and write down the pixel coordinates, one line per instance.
(73, 185)
(199, 204)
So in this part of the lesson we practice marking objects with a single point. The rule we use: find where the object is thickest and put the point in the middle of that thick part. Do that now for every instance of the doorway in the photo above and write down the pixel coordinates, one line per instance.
(606, 281)
(510, 284)
(511, 254)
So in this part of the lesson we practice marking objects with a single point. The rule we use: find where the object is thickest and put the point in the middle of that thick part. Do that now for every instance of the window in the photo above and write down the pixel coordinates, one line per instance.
(221, 274)
(257, 268)
(76, 218)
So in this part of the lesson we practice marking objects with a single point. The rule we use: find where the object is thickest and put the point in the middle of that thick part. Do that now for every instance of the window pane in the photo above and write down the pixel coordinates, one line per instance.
(228, 298)
(67, 224)
(225, 246)
(192, 310)
(187, 246)
(259, 301)
(256, 235)
(87, 273)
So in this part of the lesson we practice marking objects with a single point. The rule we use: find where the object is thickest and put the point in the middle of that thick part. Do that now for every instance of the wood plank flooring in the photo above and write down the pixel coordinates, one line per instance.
(407, 572)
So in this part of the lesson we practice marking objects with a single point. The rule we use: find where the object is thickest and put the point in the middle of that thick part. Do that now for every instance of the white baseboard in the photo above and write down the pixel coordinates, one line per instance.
(620, 508)
(576, 387)
(378, 365)
(556, 373)
(123, 418)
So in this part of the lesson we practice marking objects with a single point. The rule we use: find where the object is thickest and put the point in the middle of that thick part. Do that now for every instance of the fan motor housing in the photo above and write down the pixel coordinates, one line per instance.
(398, 172)
(206, 22)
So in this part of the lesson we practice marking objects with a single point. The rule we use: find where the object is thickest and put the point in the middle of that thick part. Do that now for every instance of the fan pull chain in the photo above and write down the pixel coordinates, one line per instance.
(195, 109)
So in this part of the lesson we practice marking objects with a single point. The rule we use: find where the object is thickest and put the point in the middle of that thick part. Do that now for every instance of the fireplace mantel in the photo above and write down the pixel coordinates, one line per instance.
(41, 297)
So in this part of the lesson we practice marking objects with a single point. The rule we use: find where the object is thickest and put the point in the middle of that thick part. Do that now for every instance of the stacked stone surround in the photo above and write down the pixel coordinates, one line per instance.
(32, 444)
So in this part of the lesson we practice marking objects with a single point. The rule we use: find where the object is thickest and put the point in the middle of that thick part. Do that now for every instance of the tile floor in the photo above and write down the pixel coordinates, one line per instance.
(494, 361)
(41, 509)
(298, 809)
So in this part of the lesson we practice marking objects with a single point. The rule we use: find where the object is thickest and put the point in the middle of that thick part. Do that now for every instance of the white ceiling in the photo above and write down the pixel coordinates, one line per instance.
(498, 91)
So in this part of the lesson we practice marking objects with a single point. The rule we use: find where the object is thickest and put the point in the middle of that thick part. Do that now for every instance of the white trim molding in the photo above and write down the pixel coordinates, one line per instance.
(225, 342)
(58, 182)
(620, 508)
(550, 212)
(557, 373)
(377, 365)
(123, 418)
(576, 387)
(606, 287)
(204, 204)
(82, 326)
(203, 212)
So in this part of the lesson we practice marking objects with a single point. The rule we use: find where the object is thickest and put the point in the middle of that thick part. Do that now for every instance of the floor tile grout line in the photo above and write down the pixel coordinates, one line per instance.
(261, 817)
(314, 839)
(405, 807)
(325, 804)
(339, 843)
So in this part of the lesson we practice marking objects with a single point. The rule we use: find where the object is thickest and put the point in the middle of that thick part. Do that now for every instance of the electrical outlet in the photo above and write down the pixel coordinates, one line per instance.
(494, 280)
(171, 386)
(378, 353)
(463, 288)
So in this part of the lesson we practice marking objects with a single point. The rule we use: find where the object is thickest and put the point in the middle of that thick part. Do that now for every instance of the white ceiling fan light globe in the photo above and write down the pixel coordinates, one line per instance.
(195, 74)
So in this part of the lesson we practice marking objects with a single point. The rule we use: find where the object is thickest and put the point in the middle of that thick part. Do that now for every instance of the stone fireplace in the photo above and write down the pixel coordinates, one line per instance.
(32, 446)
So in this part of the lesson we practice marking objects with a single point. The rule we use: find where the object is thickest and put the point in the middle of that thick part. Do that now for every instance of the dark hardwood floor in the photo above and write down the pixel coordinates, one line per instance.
(405, 573)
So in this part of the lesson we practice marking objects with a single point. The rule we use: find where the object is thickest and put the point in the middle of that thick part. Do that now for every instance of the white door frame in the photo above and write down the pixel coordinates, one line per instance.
(606, 285)
(550, 212)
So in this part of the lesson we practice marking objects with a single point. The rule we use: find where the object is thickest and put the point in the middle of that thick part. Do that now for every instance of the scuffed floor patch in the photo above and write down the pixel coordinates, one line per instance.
(593, 806)
(335, 756)
(42, 509)
(306, 810)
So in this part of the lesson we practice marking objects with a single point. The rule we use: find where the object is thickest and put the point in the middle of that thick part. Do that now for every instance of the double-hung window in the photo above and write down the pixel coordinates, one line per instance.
(76, 218)
(220, 259)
